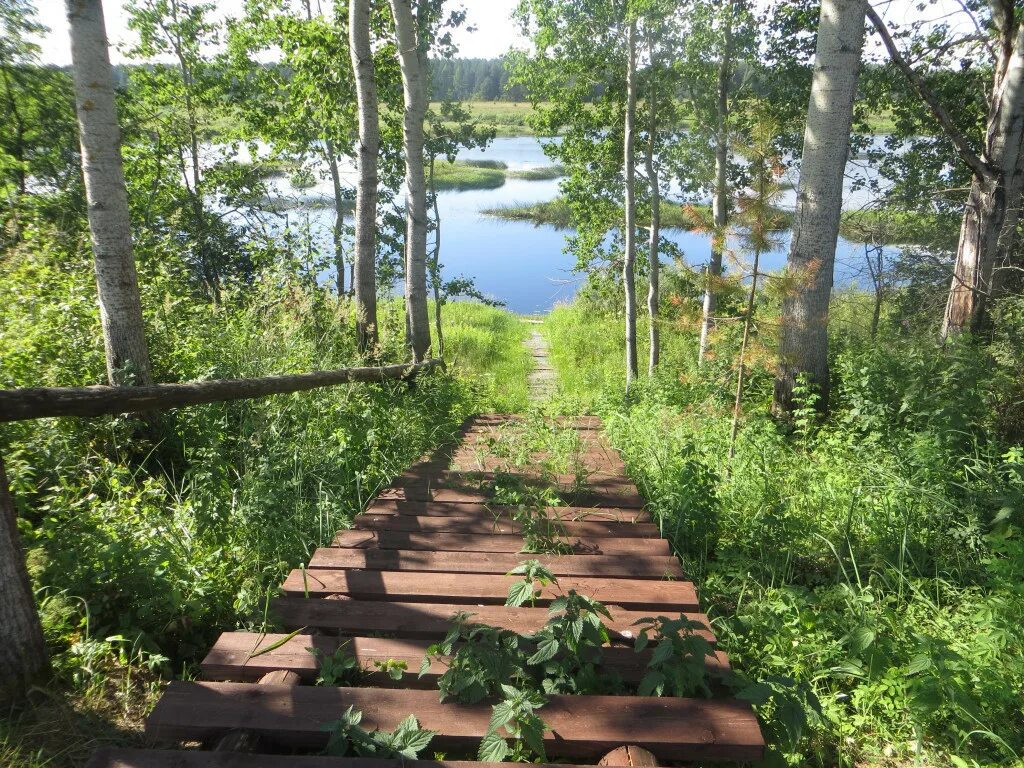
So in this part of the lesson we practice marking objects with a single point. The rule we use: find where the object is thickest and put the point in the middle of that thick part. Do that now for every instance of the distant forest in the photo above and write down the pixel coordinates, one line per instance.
(456, 79)
(472, 80)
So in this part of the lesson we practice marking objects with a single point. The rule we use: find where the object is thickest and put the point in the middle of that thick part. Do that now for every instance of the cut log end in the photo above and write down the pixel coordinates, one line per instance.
(629, 755)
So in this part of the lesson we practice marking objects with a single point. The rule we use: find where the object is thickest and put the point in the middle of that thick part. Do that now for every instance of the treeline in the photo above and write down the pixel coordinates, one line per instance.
(474, 80)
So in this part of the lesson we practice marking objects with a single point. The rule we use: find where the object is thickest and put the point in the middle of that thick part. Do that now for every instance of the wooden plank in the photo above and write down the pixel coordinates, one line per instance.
(459, 542)
(583, 499)
(471, 481)
(487, 589)
(580, 726)
(502, 526)
(633, 567)
(433, 620)
(231, 658)
(490, 511)
(171, 758)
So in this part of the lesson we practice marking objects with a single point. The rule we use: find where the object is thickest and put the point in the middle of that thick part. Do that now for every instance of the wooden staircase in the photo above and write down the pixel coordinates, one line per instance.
(429, 547)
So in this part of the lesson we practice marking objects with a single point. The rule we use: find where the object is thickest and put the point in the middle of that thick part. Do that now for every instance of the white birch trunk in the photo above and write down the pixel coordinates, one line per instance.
(720, 201)
(364, 259)
(803, 344)
(989, 228)
(629, 172)
(116, 280)
(655, 234)
(412, 59)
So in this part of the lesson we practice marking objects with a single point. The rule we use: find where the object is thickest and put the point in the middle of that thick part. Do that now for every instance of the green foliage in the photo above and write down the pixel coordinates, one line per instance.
(481, 659)
(861, 572)
(678, 661)
(516, 715)
(347, 737)
(527, 589)
(340, 668)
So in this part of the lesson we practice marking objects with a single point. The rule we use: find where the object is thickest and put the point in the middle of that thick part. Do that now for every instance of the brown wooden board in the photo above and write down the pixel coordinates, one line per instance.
(579, 726)
(501, 526)
(172, 758)
(459, 542)
(433, 620)
(633, 567)
(583, 499)
(490, 511)
(487, 589)
(231, 658)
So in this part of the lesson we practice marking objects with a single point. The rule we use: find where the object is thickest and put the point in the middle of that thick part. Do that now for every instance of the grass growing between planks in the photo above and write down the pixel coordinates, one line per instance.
(869, 567)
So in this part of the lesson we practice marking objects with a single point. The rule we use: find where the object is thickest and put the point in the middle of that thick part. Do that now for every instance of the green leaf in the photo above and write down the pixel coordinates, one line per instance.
(546, 649)
(493, 749)
(520, 593)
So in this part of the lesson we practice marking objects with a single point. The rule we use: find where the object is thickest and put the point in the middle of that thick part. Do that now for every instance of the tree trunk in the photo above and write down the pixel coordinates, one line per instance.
(22, 649)
(741, 373)
(339, 217)
(116, 280)
(629, 172)
(803, 343)
(989, 228)
(435, 265)
(720, 201)
(412, 60)
(365, 256)
(655, 235)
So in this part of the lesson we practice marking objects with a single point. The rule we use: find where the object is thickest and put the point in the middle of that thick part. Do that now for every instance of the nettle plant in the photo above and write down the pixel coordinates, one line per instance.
(678, 663)
(347, 737)
(562, 657)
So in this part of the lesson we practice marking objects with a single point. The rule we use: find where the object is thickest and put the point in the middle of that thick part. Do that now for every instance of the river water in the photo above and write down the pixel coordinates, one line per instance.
(524, 265)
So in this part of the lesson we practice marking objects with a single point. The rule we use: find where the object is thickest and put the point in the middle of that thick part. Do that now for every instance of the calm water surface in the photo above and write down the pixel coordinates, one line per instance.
(524, 265)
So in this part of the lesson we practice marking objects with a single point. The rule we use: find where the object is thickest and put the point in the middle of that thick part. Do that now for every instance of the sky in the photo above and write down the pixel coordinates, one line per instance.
(494, 34)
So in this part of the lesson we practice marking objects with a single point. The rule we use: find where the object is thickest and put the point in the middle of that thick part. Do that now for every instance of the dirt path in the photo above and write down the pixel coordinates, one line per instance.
(542, 377)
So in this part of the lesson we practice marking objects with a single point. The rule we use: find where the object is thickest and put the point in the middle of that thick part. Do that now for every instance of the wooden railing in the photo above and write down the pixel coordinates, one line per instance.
(44, 402)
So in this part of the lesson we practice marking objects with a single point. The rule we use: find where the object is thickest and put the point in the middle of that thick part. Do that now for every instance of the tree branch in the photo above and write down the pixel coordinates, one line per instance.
(978, 166)
(45, 402)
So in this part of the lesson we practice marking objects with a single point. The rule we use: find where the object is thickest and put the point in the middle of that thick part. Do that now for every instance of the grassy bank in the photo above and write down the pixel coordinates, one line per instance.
(866, 570)
(462, 175)
(883, 227)
(143, 545)
(556, 213)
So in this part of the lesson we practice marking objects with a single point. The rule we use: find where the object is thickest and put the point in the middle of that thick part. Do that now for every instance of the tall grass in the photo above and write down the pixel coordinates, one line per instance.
(868, 567)
(145, 542)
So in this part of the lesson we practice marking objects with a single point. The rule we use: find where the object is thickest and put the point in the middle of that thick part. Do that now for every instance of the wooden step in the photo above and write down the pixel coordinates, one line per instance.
(491, 511)
(634, 567)
(231, 658)
(459, 542)
(501, 526)
(584, 727)
(582, 499)
(433, 620)
(487, 589)
(172, 758)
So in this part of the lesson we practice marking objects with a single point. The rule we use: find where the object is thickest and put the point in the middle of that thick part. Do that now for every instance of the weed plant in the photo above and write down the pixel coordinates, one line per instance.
(863, 573)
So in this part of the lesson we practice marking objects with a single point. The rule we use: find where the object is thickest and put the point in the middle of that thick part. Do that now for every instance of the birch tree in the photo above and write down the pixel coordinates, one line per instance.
(991, 213)
(412, 54)
(629, 225)
(803, 343)
(364, 257)
(117, 283)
